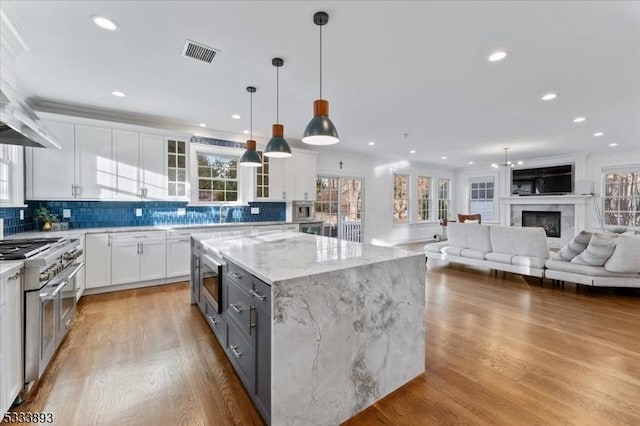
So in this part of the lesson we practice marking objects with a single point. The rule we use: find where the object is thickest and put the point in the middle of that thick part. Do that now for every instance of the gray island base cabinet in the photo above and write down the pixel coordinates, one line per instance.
(318, 328)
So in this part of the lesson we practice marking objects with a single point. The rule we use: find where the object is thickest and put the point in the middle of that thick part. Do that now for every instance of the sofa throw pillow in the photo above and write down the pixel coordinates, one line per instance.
(626, 256)
(575, 246)
(599, 250)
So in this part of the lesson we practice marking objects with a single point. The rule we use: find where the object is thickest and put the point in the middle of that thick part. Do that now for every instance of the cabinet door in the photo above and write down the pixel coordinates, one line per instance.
(153, 259)
(97, 260)
(11, 339)
(125, 261)
(276, 178)
(126, 159)
(178, 257)
(94, 163)
(305, 176)
(50, 172)
(263, 361)
(153, 166)
(289, 178)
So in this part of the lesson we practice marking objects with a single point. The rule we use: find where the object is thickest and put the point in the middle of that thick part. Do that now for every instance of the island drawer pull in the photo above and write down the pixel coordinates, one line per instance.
(236, 308)
(234, 349)
(252, 324)
(258, 295)
(236, 275)
(212, 319)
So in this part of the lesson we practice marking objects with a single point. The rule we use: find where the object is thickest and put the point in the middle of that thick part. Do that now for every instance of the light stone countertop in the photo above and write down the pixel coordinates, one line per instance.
(83, 231)
(9, 267)
(279, 255)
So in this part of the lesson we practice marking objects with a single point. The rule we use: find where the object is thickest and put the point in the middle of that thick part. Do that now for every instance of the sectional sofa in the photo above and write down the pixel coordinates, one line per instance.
(609, 260)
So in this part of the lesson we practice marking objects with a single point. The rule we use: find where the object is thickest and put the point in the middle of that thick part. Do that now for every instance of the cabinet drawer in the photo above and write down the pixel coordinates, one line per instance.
(239, 275)
(239, 307)
(139, 236)
(217, 324)
(260, 295)
(241, 354)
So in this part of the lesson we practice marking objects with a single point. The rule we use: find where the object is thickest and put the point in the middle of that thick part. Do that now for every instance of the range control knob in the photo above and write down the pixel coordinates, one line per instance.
(44, 276)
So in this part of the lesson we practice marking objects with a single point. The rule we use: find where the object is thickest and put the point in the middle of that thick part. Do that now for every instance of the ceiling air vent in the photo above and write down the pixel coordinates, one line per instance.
(198, 51)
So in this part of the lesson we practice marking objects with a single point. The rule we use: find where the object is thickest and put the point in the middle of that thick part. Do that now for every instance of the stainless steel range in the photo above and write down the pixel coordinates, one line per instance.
(49, 287)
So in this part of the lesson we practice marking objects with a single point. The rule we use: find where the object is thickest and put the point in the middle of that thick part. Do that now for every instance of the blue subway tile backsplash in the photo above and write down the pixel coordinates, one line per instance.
(103, 214)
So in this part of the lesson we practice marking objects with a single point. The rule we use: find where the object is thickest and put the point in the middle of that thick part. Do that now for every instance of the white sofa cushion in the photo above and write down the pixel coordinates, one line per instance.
(519, 241)
(469, 235)
(499, 257)
(626, 256)
(473, 254)
(576, 268)
(452, 250)
(575, 246)
(534, 262)
(435, 247)
(600, 248)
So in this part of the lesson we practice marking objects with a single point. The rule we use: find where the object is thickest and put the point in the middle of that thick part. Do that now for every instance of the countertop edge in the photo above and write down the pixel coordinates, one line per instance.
(10, 266)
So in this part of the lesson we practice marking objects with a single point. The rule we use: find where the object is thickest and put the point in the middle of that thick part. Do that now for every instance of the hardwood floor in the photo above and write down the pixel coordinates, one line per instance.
(499, 351)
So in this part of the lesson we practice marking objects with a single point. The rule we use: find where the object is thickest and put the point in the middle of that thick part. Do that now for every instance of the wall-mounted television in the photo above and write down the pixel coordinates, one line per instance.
(553, 180)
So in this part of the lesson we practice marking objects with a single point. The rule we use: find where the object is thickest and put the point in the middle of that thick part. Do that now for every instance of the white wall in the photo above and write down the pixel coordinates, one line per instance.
(378, 197)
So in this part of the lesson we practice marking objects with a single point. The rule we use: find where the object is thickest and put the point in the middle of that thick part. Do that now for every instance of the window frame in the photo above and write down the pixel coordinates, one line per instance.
(448, 199)
(428, 199)
(13, 157)
(633, 168)
(485, 180)
(244, 174)
(407, 176)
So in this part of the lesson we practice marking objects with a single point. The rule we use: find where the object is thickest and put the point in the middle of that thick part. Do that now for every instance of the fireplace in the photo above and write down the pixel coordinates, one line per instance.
(549, 221)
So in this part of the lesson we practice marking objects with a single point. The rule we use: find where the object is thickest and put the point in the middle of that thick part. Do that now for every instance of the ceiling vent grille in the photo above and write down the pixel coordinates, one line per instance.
(198, 51)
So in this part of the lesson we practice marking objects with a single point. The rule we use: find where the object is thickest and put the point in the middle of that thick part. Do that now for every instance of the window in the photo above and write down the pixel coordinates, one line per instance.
(217, 177)
(424, 196)
(622, 197)
(11, 188)
(5, 176)
(443, 198)
(177, 168)
(481, 198)
(262, 178)
(400, 198)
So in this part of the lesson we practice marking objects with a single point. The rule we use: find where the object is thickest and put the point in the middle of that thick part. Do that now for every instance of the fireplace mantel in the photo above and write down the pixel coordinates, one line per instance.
(547, 199)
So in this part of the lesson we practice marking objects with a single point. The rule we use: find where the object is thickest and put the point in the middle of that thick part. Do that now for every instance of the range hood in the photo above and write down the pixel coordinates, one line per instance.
(18, 124)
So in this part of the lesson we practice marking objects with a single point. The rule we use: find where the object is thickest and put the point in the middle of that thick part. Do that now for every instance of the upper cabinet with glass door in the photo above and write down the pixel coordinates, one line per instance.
(177, 171)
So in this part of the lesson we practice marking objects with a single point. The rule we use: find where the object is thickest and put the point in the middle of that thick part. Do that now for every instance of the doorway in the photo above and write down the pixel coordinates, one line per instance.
(340, 206)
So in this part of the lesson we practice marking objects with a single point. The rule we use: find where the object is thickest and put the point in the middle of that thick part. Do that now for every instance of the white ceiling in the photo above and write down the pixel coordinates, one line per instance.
(390, 68)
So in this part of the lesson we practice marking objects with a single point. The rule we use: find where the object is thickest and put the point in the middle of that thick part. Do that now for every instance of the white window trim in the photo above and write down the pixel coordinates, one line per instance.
(478, 179)
(246, 175)
(409, 201)
(603, 189)
(15, 159)
(437, 197)
(417, 219)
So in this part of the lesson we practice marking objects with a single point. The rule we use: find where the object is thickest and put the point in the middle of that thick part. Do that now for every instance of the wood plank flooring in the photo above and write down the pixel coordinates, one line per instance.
(500, 351)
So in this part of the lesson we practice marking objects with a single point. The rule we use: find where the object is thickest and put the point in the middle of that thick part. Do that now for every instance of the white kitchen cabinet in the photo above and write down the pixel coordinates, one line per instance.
(11, 362)
(50, 172)
(97, 260)
(94, 164)
(126, 160)
(293, 178)
(138, 256)
(306, 174)
(178, 256)
(153, 166)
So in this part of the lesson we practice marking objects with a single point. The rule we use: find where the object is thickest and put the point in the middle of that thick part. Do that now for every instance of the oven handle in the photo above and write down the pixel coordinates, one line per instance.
(209, 259)
(53, 294)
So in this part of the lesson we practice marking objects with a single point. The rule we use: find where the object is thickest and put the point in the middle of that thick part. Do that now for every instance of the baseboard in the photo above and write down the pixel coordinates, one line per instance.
(131, 286)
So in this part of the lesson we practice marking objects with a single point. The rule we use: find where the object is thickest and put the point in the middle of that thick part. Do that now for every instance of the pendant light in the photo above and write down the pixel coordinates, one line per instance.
(251, 158)
(320, 130)
(277, 146)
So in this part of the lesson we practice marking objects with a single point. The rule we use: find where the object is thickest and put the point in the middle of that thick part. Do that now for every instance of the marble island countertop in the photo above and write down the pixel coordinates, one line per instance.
(279, 255)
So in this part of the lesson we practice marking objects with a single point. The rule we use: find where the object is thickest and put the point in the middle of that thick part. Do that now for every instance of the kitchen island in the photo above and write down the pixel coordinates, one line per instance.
(346, 322)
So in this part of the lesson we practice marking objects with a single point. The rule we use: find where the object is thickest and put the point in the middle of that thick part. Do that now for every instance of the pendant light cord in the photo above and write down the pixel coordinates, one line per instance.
(278, 95)
(320, 61)
(251, 115)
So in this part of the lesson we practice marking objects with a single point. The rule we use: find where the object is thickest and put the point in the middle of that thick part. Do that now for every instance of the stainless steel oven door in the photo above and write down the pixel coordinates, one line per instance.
(211, 281)
(67, 301)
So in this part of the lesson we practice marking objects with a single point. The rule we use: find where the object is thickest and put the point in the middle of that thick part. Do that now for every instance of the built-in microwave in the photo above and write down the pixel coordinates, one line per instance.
(211, 273)
(300, 211)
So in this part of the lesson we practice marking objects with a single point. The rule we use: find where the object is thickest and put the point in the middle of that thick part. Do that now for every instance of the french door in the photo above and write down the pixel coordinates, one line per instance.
(340, 206)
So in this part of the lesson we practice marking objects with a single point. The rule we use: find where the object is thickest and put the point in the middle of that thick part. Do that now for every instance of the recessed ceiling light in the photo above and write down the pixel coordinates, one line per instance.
(497, 56)
(246, 132)
(104, 23)
(118, 94)
(579, 119)
(236, 116)
(494, 165)
(597, 134)
(372, 143)
(549, 96)
(470, 162)
(612, 144)
(203, 124)
(444, 157)
(413, 151)
(520, 163)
